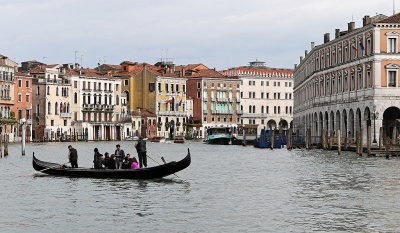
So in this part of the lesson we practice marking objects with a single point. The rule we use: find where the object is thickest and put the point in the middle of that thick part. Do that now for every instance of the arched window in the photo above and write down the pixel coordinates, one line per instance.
(67, 107)
(117, 100)
(250, 108)
(75, 98)
(56, 109)
(254, 109)
(49, 108)
(57, 91)
(48, 90)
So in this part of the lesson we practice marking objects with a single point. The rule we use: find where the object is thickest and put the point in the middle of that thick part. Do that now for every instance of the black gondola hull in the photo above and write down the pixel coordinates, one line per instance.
(142, 173)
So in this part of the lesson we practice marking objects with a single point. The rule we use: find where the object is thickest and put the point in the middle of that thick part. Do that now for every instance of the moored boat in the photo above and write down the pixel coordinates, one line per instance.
(179, 139)
(219, 135)
(157, 139)
(141, 173)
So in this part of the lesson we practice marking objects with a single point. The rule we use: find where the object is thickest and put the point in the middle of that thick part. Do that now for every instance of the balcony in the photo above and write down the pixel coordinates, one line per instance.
(108, 91)
(230, 99)
(86, 89)
(213, 99)
(29, 121)
(205, 111)
(205, 99)
(239, 112)
(66, 115)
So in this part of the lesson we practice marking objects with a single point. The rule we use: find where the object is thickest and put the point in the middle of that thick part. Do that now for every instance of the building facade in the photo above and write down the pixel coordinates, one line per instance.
(23, 104)
(171, 105)
(351, 82)
(266, 95)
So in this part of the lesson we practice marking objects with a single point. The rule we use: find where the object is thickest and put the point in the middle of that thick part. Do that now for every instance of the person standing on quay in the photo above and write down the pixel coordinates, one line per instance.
(119, 157)
(141, 150)
(73, 157)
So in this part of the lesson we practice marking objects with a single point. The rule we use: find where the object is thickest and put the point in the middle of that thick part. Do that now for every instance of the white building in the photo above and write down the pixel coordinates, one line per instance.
(351, 82)
(266, 95)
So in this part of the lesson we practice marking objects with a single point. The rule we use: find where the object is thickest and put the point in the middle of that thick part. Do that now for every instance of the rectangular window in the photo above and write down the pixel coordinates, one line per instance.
(198, 85)
(262, 83)
(52, 122)
(27, 84)
(152, 87)
(38, 91)
(75, 84)
(198, 94)
(65, 122)
(267, 83)
(166, 88)
(267, 95)
(392, 45)
(126, 82)
(184, 88)
(177, 88)
(27, 98)
(19, 83)
(267, 109)
(392, 79)
(159, 87)
(19, 97)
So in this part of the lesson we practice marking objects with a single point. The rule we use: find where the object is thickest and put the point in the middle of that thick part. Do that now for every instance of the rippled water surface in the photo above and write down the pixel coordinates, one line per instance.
(225, 189)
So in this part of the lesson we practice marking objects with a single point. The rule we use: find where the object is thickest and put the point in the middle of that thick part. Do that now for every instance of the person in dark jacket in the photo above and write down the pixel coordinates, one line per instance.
(141, 150)
(97, 159)
(127, 163)
(111, 163)
(119, 157)
(106, 160)
(73, 157)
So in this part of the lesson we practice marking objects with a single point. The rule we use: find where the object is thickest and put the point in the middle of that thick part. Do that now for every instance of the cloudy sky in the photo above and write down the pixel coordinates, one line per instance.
(217, 33)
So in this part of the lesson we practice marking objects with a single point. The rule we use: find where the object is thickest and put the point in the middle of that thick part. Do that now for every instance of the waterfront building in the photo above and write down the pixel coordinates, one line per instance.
(171, 105)
(352, 81)
(266, 95)
(7, 75)
(23, 104)
(96, 105)
(51, 101)
(216, 100)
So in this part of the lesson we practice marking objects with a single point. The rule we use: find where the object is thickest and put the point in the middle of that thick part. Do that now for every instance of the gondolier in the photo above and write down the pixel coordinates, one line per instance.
(73, 157)
(141, 150)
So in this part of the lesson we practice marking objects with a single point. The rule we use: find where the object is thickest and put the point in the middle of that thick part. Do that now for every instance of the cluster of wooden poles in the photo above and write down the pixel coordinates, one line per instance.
(4, 139)
(333, 141)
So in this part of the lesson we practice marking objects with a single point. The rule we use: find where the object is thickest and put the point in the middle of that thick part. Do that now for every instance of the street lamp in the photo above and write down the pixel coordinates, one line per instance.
(375, 116)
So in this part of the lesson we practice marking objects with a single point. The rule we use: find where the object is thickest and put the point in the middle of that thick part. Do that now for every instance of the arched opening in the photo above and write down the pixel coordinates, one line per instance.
(283, 125)
(332, 120)
(127, 96)
(326, 121)
(344, 123)
(271, 123)
(358, 120)
(367, 116)
(351, 124)
(315, 120)
(321, 123)
(390, 120)
(338, 121)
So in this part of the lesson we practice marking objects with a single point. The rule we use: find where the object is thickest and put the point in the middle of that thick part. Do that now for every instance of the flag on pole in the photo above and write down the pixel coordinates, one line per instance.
(180, 103)
(169, 100)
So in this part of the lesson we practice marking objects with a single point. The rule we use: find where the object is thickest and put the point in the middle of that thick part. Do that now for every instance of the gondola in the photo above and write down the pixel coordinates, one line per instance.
(142, 173)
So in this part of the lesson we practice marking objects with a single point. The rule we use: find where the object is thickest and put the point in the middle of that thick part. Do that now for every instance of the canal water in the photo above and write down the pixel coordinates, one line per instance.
(225, 189)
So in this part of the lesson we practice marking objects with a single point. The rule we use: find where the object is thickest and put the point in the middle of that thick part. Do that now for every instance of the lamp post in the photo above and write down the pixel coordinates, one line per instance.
(375, 116)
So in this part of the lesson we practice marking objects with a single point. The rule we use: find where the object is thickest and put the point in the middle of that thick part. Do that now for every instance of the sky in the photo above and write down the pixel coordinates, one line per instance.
(218, 33)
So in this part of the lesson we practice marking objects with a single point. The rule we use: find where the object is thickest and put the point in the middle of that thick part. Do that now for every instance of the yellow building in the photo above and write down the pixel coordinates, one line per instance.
(139, 84)
(171, 105)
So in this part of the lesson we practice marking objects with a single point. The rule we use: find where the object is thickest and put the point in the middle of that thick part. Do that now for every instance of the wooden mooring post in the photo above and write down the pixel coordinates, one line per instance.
(323, 139)
(272, 140)
(339, 146)
(357, 142)
(6, 145)
(331, 140)
(380, 138)
(394, 136)
(361, 141)
(369, 140)
(387, 146)
(307, 143)
(289, 140)
(345, 142)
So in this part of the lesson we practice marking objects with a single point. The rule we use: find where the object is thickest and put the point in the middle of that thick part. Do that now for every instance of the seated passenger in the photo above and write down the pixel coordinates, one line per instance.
(134, 164)
(126, 164)
(111, 164)
(97, 160)
(106, 160)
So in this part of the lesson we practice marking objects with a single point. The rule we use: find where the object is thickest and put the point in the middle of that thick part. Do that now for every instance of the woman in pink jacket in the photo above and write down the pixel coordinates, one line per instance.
(134, 164)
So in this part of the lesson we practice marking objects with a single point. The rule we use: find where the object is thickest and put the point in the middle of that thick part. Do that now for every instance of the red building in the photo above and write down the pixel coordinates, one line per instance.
(22, 107)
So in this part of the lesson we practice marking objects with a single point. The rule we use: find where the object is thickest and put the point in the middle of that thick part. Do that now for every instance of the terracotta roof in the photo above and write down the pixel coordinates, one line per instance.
(209, 73)
(143, 112)
(139, 68)
(129, 63)
(117, 67)
(2, 56)
(22, 74)
(391, 19)
(258, 72)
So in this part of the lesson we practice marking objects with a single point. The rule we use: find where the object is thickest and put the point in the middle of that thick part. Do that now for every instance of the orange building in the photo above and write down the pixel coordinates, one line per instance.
(23, 102)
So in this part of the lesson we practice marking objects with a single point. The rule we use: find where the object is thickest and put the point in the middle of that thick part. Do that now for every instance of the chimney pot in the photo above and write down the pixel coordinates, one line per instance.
(351, 26)
(312, 45)
(366, 20)
(305, 53)
(327, 37)
(337, 33)
(301, 59)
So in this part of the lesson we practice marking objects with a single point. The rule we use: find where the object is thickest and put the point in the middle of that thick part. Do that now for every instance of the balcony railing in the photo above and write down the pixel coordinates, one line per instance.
(171, 113)
(222, 99)
(66, 115)
(213, 99)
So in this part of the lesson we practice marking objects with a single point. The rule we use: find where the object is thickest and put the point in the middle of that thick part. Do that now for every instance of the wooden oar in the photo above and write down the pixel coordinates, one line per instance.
(58, 165)
(162, 158)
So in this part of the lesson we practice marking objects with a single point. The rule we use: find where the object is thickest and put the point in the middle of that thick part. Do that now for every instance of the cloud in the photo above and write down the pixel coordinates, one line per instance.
(219, 33)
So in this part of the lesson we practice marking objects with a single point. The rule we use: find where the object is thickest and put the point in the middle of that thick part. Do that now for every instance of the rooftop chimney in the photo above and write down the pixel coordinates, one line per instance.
(295, 66)
(305, 53)
(301, 59)
(312, 45)
(351, 26)
(366, 20)
(337, 33)
(327, 37)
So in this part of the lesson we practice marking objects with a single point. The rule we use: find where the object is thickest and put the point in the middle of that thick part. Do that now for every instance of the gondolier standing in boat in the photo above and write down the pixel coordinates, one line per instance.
(141, 150)
(73, 157)
(119, 157)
